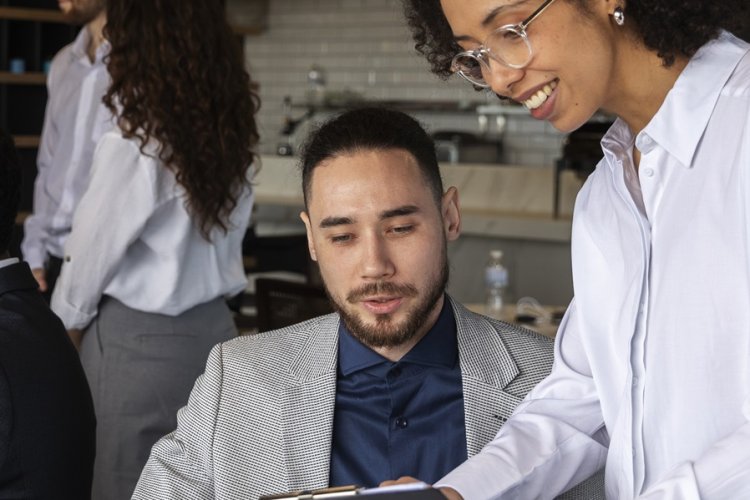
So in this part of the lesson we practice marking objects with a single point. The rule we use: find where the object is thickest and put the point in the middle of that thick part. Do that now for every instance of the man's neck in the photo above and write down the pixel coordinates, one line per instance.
(96, 31)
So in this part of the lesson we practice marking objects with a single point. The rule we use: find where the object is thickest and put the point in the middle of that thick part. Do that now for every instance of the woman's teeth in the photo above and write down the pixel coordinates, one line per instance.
(541, 95)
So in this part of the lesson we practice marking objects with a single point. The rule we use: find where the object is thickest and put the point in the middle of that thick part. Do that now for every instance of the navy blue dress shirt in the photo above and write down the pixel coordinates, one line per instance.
(399, 419)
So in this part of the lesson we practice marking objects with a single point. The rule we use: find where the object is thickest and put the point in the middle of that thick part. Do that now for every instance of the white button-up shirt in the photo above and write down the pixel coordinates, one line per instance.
(133, 239)
(652, 365)
(74, 121)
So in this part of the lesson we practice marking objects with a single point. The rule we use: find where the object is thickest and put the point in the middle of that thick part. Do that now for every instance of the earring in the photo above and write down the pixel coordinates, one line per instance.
(619, 16)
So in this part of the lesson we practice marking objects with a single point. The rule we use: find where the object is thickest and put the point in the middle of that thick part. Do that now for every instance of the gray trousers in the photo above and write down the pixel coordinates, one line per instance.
(141, 368)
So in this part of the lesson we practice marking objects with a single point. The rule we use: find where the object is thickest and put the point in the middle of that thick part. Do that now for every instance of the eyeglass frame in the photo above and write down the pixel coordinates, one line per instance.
(480, 52)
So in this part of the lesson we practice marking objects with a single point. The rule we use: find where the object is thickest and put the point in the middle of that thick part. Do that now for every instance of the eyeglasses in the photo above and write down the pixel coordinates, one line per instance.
(508, 45)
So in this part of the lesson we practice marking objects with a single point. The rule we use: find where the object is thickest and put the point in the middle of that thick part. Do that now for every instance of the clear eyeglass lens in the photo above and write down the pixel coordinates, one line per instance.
(470, 68)
(511, 46)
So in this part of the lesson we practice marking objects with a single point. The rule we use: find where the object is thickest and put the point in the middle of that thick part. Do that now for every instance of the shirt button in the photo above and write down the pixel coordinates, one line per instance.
(67, 258)
(402, 423)
(648, 172)
(395, 371)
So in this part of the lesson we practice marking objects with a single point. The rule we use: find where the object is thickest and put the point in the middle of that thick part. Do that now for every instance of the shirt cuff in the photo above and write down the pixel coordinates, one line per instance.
(34, 258)
(72, 318)
(472, 484)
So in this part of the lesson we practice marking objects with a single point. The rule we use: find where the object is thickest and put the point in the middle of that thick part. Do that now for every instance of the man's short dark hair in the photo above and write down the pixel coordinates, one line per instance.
(10, 189)
(367, 129)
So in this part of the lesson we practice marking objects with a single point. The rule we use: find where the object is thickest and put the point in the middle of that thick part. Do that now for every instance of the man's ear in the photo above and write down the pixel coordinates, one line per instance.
(308, 229)
(451, 213)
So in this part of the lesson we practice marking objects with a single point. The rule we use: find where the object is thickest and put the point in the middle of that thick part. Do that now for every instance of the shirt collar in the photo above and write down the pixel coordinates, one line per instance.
(679, 124)
(81, 43)
(8, 262)
(439, 347)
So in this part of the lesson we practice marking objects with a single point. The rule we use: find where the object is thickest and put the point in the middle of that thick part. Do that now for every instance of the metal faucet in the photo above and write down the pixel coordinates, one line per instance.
(285, 147)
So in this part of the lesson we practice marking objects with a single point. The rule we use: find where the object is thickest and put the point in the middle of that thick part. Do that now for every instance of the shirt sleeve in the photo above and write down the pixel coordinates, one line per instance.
(180, 465)
(554, 440)
(722, 472)
(36, 227)
(119, 201)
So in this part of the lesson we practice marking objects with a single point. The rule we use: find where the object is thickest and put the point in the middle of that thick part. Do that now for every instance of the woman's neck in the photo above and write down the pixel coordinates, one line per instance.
(96, 32)
(640, 84)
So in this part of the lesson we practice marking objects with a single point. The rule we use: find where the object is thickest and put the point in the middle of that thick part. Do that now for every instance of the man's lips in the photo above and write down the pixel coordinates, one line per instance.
(381, 305)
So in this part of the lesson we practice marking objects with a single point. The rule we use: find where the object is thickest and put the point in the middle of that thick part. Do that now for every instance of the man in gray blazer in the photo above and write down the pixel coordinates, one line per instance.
(401, 380)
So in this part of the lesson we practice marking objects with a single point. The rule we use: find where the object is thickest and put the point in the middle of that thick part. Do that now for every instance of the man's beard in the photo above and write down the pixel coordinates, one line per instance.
(84, 14)
(386, 333)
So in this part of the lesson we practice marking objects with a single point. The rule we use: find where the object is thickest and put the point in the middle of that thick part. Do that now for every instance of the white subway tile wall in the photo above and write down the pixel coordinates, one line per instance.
(364, 47)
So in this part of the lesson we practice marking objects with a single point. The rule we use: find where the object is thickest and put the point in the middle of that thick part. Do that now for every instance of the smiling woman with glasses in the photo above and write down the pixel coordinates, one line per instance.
(652, 371)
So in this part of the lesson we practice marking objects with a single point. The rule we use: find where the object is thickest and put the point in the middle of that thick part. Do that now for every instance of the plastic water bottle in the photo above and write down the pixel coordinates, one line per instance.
(495, 280)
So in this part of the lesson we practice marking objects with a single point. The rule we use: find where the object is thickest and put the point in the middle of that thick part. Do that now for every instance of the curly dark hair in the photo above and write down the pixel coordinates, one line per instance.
(668, 27)
(178, 77)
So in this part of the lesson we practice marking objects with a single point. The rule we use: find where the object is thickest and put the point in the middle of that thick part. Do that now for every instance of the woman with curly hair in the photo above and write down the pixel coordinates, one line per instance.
(652, 370)
(156, 240)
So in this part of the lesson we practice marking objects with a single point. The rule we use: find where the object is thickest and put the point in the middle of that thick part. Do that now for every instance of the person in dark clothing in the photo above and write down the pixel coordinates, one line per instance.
(47, 423)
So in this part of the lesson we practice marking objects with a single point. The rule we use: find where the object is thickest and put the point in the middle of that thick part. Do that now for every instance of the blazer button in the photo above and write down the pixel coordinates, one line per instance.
(402, 423)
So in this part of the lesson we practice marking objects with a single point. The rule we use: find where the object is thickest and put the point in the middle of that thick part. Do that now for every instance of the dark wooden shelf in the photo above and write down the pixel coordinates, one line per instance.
(36, 78)
(26, 141)
(33, 32)
(26, 14)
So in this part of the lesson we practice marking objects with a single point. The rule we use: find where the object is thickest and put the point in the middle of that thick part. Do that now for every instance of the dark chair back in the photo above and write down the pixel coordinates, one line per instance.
(283, 303)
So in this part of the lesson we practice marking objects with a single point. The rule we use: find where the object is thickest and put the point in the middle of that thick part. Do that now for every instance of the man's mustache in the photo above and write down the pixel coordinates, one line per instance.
(382, 288)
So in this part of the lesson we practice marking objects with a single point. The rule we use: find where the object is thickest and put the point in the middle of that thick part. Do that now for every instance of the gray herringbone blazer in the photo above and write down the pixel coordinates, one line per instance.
(260, 418)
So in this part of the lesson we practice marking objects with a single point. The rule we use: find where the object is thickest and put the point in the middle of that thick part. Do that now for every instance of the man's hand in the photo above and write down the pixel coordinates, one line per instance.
(401, 480)
(40, 275)
(448, 493)
(76, 336)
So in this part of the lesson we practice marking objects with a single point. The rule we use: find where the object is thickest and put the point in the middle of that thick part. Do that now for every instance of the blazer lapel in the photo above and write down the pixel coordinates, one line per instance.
(486, 369)
(308, 407)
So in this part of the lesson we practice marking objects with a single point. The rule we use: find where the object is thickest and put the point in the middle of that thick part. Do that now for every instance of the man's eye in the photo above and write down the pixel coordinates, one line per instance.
(402, 229)
(341, 238)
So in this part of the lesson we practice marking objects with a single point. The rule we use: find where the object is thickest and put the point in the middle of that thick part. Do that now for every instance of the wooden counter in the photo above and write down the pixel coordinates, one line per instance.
(546, 328)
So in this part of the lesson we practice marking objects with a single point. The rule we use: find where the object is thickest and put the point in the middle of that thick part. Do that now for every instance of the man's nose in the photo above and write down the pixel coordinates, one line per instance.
(376, 260)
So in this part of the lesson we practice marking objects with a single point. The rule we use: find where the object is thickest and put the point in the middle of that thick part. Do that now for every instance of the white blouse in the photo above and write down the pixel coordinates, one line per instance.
(134, 240)
(652, 362)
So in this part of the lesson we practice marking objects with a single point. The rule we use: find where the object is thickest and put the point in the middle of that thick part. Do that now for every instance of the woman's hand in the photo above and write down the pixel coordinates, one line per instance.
(76, 336)
(40, 275)
(448, 493)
